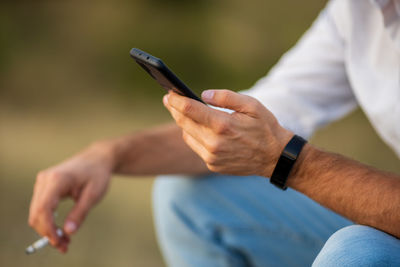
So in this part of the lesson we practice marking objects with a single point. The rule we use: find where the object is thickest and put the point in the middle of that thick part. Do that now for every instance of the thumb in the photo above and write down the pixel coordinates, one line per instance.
(231, 100)
(79, 211)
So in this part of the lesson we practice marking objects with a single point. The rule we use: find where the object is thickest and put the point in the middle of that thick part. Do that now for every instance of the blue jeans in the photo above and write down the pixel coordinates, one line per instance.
(220, 220)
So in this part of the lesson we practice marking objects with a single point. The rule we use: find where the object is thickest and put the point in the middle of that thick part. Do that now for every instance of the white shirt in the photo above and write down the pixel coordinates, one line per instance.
(350, 56)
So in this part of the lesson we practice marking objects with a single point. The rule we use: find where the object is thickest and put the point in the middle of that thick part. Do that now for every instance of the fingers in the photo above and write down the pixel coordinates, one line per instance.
(231, 100)
(43, 203)
(195, 145)
(50, 186)
(191, 127)
(193, 109)
(81, 208)
(84, 177)
(63, 244)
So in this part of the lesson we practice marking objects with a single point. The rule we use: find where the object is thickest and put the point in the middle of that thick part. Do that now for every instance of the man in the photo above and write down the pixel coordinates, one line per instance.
(349, 57)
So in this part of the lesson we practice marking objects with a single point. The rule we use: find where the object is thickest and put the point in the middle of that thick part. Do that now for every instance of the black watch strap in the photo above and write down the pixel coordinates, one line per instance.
(286, 161)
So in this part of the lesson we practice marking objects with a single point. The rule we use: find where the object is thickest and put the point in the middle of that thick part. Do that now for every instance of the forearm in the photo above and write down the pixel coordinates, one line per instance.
(156, 151)
(361, 193)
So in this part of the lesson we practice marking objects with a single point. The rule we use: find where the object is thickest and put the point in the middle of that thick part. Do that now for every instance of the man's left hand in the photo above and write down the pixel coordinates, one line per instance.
(246, 142)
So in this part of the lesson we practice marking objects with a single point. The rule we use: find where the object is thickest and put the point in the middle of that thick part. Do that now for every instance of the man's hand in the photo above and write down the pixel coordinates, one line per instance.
(84, 178)
(246, 142)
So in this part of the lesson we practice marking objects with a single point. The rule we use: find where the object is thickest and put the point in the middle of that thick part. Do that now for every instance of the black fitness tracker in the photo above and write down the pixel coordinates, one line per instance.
(286, 161)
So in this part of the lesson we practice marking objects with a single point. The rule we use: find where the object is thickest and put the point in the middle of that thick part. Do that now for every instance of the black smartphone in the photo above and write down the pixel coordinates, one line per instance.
(162, 74)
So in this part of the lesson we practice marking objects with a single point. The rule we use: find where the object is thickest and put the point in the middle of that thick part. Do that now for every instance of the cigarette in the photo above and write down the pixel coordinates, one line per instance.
(41, 243)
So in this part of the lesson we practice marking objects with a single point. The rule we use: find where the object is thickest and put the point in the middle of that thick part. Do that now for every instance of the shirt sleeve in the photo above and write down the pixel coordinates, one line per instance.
(309, 87)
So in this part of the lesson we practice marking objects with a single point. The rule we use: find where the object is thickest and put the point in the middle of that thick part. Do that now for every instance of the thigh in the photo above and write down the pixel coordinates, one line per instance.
(359, 245)
(239, 219)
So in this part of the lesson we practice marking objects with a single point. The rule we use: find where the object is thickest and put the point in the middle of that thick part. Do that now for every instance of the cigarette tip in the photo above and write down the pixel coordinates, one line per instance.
(29, 250)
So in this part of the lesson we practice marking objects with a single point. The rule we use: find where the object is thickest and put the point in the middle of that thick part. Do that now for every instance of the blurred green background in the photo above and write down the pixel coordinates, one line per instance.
(66, 79)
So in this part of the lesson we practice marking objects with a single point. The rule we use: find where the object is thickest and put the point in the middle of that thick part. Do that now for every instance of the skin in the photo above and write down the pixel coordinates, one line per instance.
(210, 140)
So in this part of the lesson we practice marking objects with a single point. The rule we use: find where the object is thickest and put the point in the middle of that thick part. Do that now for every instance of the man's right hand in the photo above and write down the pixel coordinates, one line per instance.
(84, 178)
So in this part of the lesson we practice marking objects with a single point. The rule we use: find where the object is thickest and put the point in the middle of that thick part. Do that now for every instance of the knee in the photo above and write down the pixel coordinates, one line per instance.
(356, 245)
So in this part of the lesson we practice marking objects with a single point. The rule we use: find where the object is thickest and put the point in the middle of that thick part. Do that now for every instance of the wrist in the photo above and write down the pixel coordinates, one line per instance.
(109, 151)
(286, 162)
(300, 166)
(281, 138)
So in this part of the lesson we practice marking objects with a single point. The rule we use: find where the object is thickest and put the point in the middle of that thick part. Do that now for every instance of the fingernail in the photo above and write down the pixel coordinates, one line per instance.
(207, 94)
(165, 99)
(70, 227)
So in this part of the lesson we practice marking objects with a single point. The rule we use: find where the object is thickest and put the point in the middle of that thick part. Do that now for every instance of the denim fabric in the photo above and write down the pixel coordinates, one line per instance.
(238, 221)
(359, 245)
